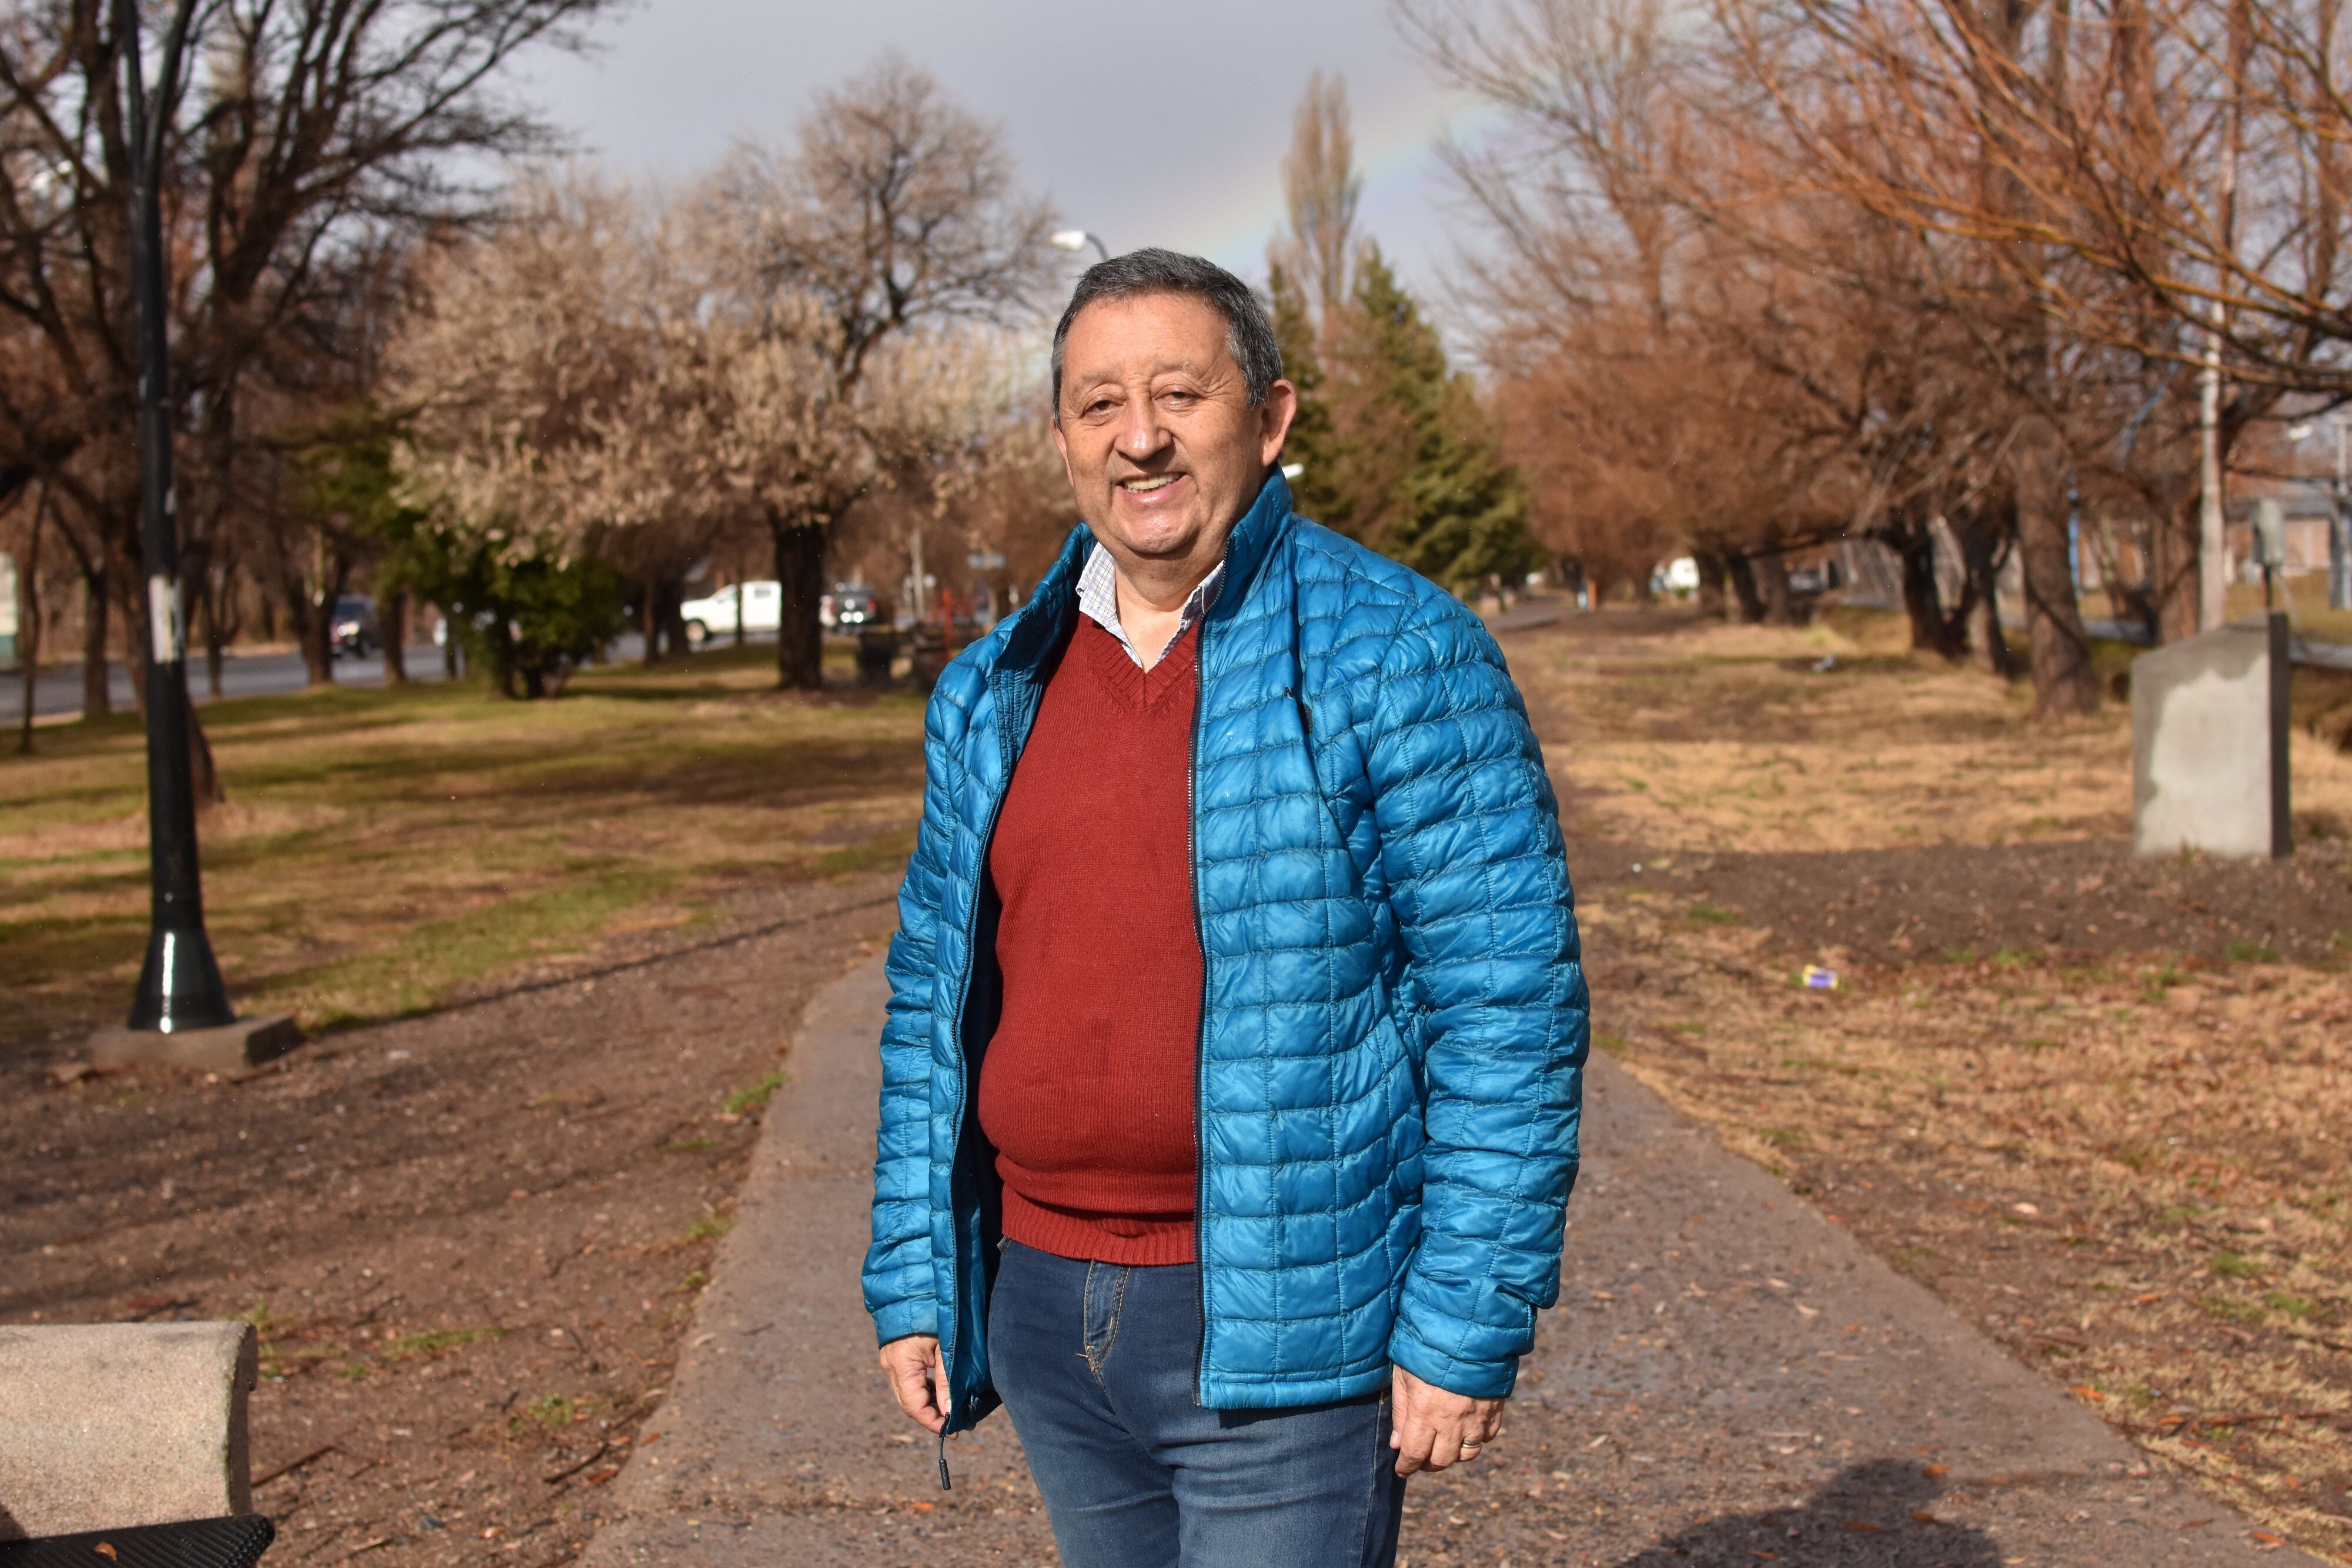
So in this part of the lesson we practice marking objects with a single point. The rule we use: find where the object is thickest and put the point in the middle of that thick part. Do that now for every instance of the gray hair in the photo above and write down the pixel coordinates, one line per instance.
(1249, 336)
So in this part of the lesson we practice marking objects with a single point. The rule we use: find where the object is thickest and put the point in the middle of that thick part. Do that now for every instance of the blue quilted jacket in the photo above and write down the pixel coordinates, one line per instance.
(1394, 1028)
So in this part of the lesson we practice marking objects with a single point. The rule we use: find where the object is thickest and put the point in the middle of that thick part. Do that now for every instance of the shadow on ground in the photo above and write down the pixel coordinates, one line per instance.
(1873, 1515)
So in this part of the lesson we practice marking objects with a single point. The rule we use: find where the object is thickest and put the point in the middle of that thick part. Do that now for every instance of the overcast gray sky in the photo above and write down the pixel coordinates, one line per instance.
(1149, 124)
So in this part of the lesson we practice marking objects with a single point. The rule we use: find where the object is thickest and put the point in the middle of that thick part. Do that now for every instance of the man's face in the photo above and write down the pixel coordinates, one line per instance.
(1163, 450)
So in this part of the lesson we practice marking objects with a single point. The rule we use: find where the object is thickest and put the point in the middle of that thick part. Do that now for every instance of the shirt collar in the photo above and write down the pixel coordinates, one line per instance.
(1099, 600)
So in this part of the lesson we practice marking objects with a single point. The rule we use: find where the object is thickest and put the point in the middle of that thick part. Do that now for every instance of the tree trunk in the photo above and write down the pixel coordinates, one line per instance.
(2172, 567)
(1771, 577)
(1712, 584)
(28, 636)
(672, 610)
(96, 691)
(1923, 602)
(2064, 683)
(391, 625)
(216, 638)
(1983, 549)
(649, 620)
(1746, 606)
(800, 635)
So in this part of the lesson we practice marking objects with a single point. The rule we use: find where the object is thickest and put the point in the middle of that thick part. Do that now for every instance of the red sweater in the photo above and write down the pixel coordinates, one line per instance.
(1088, 1089)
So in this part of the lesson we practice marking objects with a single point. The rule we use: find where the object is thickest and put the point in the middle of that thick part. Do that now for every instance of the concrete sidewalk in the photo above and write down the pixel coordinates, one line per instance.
(1729, 1379)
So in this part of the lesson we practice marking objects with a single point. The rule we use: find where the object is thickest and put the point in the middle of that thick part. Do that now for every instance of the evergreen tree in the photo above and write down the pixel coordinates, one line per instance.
(1413, 460)
(1310, 444)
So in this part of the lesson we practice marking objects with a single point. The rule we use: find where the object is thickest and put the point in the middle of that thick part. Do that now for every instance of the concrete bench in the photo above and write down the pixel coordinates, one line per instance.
(109, 1426)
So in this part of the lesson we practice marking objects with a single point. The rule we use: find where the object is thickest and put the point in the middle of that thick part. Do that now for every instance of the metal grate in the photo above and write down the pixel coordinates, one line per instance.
(235, 1542)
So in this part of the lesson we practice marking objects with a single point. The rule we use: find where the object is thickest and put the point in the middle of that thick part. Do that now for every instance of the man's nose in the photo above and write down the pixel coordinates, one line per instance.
(1140, 433)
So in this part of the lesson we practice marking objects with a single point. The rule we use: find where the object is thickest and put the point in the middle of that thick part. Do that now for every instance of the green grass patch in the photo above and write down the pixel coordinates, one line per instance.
(709, 1227)
(2230, 1310)
(433, 1342)
(692, 1144)
(753, 1096)
(2234, 1266)
(2289, 1304)
(1713, 915)
(383, 851)
(892, 849)
(2242, 950)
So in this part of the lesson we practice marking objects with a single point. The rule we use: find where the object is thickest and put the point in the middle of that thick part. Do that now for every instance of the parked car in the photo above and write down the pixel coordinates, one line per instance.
(353, 630)
(850, 607)
(714, 616)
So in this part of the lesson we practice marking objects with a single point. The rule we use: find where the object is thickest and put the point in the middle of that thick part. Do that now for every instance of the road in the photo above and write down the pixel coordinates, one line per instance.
(57, 689)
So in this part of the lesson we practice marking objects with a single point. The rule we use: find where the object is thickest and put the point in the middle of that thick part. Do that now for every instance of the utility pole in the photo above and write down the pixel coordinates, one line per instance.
(180, 986)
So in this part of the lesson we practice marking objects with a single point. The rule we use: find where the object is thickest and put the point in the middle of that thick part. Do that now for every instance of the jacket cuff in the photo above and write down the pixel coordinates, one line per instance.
(1470, 1379)
(916, 1314)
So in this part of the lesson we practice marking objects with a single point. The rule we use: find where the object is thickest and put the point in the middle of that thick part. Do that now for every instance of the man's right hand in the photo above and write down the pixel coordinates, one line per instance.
(917, 1381)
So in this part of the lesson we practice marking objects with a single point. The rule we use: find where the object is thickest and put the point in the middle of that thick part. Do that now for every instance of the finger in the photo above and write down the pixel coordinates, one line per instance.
(1413, 1440)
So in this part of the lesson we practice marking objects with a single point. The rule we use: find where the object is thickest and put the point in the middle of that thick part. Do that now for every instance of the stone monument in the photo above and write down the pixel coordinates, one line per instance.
(2209, 743)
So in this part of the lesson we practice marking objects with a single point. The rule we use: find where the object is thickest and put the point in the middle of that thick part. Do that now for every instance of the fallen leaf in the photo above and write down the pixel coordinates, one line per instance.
(2087, 1392)
(1924, 1516)
(1861, 1524)
(106, 1549)
(1940, 1469)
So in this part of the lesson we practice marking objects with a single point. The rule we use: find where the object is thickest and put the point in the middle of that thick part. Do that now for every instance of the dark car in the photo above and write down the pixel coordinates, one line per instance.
(850, 607)
(353, 630)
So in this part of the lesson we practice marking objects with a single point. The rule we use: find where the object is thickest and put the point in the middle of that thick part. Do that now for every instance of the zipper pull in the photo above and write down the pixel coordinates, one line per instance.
(945, 1484)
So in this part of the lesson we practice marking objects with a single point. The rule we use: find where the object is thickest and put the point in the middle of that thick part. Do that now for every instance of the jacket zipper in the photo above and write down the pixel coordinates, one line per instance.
(1200, 1032)
(963, 1073)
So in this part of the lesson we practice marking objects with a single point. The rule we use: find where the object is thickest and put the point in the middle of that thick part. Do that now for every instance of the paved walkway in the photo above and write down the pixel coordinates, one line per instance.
(1731, 1380)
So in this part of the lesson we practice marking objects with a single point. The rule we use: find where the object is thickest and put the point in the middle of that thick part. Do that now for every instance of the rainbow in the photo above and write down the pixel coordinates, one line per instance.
(1396, 152)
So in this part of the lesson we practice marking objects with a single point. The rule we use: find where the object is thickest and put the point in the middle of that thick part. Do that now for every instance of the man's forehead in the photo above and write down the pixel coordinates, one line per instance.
(1155, 331)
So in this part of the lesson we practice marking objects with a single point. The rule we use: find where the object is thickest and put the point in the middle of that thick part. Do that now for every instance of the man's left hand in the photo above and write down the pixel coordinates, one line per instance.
(1429, 1429)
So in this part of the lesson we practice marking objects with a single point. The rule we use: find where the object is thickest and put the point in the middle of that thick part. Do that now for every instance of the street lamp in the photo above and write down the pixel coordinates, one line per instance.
(180, 986)
(1075, 240)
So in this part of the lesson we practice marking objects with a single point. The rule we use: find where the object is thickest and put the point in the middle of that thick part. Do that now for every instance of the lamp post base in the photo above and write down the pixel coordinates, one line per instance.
(230, 1048)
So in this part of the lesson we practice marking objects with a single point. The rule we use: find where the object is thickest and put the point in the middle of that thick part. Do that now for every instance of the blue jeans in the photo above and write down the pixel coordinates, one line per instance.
(1095, 1362)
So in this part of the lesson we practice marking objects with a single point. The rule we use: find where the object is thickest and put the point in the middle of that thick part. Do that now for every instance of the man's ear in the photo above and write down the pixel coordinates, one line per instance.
(1274, 417)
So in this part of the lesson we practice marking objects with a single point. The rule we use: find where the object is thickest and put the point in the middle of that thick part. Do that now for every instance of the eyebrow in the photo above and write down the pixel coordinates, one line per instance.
(1159, 367)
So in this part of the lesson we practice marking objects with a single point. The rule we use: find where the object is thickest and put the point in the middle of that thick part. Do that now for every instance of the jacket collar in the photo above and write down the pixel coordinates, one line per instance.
(1042, 625)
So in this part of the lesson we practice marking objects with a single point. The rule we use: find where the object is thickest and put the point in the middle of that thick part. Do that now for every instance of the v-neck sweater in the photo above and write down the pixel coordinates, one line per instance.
(1086, 1089)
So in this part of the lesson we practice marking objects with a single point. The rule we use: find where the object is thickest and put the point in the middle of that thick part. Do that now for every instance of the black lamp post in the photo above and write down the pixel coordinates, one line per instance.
(180, 986)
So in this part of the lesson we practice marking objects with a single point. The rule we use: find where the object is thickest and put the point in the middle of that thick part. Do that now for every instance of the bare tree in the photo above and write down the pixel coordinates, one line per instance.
(1321, 190)
(317, 134)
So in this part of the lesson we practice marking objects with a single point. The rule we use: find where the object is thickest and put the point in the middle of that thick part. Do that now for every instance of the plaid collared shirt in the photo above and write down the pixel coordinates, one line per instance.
(1098, 599)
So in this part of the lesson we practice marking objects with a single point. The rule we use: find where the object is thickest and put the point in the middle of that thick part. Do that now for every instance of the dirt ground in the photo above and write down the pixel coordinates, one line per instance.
(471, 1239)
(2095, 1104)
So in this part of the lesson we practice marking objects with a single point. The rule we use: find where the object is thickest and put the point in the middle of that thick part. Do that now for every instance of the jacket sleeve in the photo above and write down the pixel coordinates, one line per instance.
(1471, 845)
(898, 1284)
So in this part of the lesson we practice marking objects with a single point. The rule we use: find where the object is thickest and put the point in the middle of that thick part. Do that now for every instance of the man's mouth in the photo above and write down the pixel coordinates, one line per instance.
(1145, 484)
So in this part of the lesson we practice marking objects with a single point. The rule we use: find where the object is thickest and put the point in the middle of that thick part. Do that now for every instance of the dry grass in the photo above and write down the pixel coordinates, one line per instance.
(1728, 739)
(2129, 1170)
(382, 851)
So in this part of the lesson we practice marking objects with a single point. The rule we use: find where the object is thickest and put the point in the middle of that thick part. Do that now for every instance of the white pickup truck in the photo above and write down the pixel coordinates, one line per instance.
(763, 610)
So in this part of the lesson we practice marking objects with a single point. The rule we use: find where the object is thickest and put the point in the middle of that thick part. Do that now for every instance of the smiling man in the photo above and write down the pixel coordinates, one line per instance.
(1235, 1054)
